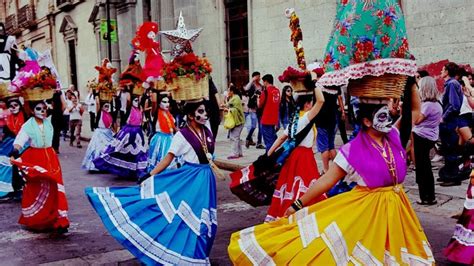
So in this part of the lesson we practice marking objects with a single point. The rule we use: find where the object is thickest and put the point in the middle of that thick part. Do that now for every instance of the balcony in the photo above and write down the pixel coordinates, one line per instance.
(65, 5)
(11, 25)
(26, 16)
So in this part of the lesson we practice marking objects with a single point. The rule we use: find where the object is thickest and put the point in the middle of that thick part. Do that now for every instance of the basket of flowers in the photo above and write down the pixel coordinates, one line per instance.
(38, 87)
(5, 92)
(138, 89)
(105, 90)
(186, 77)
(295, 77)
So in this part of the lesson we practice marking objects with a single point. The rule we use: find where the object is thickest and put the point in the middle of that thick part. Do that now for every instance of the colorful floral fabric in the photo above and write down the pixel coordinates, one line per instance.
(366, 31)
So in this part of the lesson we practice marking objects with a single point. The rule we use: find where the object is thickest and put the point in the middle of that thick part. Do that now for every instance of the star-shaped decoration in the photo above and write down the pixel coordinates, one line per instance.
(181, 37)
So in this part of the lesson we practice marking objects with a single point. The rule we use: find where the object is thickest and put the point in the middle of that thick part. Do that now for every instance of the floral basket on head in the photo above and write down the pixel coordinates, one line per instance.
(105, 90)
(37, 87)
(138, 89)
(5, 92)
(295, 77)
(186, 77)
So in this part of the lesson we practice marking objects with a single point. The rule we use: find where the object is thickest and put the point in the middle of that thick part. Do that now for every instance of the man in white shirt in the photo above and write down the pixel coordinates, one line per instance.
(75, 110)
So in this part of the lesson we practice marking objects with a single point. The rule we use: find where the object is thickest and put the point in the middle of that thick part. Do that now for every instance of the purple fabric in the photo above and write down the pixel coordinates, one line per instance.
(135, 118)
(429, 127)
(369, 163)
(196, 144)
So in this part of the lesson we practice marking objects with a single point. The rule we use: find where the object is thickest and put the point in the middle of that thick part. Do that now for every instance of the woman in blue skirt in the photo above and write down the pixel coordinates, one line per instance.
(165, 128)
(170, 218)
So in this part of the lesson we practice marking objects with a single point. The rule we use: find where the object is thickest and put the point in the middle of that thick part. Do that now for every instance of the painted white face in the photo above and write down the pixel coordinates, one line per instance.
(382, 121)
(201, 115)
(106, 107)
(151, 35)
(135, 102)
(165, 104)
(40, 111)
(14, 107)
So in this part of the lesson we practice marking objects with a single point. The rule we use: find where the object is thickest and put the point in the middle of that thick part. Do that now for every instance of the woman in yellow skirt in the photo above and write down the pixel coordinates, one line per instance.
(374, 224)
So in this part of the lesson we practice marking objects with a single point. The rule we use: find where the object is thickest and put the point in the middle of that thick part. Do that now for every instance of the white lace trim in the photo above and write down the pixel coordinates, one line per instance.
(362, 255)
(411, 259)
(308, 228)
(389, 260)
(298, 215)
(147, 188)
(61, 188)
(123, 145)
(374, 68)
(184, 211)
(469, 203)
(62, 213)
(250, 247)
(464, 235)
(39, 202)
(141, 240)
(336, 243)
(245, 175)
(295, 192)
(5, 187)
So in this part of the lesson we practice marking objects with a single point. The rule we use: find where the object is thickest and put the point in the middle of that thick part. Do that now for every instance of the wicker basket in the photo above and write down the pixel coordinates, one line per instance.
(138, 90)
(5, 93)
(160, 85)
(298, 85)
(106, 95)
(37, 94)
(185, 89)
(385, 86)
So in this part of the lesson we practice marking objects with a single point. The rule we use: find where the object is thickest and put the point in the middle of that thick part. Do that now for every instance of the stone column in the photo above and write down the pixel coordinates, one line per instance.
(115, 45)
(167, 22)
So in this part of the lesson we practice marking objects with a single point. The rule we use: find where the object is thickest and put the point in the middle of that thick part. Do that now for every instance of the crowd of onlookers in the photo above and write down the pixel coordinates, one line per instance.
(445, 123)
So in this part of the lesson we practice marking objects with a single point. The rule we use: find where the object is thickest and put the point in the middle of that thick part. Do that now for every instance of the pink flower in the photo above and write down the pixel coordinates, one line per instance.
(379, 14)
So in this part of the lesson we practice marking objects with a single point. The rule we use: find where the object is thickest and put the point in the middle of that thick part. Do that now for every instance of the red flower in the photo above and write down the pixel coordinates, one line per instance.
(344, 2)
(327, 59)
(337, 66)
(387, 21)
(385, 39)
(344, 31)
(368, 47)
(341, 48)
(379, 14)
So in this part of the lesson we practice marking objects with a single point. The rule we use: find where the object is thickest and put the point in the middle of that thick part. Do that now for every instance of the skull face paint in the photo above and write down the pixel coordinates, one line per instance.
(106, 107)
(201, 115)
(40, 111)
(382, 121)
(165, 103)
(135, 102)
(14, 107)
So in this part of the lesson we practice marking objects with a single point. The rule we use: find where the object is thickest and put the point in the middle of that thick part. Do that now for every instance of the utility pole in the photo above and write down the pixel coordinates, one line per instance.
(109, 30)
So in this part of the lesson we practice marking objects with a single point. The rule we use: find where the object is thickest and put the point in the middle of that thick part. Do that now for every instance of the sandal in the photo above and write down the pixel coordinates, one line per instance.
(427, 203)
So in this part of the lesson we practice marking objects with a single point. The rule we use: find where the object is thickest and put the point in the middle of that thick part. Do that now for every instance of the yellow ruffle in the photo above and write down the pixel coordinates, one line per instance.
(361, 227)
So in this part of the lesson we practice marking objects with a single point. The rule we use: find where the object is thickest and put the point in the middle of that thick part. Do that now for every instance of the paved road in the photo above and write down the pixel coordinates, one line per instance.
(89, 243)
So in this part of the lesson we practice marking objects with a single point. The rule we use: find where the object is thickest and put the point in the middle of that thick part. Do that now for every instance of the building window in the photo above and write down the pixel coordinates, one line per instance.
(237, 42)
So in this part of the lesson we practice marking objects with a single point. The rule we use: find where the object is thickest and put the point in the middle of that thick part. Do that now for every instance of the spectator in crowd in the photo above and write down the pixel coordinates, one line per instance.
(465, 122)
(234, 106)
(146, 105)
(67, 98)
(421, 74)
(92, 108)
(57, 118)
(75, 111)
(269, 102)
(251, 119)
(214, 111)
(74, 91)
(341, 116)
(452, 101)
(254, 89)
(425, 134)
(326, 125)
(287, 106)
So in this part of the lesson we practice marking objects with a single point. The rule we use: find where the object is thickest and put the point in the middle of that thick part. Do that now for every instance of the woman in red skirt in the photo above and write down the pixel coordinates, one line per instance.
(300, 170)
(44, 204)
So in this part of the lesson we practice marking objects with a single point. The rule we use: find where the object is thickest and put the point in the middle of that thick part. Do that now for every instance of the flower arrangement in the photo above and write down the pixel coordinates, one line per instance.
(187, 65)
(292, 74)
(44, 79)
(296, 37)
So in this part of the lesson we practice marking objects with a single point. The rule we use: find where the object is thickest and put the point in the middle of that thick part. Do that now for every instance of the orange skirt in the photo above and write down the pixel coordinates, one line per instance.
(298, 173)
(44, 204)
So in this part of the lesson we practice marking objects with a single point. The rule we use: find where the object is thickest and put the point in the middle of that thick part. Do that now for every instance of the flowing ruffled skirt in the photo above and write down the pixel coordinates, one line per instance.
(361, 227)
(127, 154)
(298, 173)
(461, 246)
(6, 146)
(159, 145)
(99, 141)
(170, 218)
(44, 204)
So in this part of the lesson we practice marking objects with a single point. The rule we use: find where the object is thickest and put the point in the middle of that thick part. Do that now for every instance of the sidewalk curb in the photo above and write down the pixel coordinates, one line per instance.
(228, 166)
